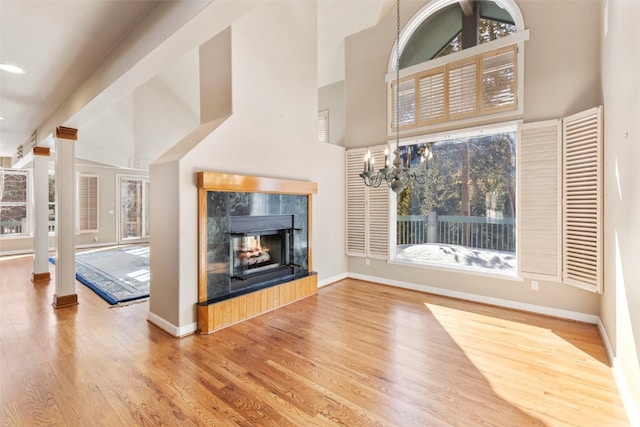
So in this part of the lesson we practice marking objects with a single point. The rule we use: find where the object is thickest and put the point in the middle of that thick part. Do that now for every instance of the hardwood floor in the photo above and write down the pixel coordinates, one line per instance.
(358, 354)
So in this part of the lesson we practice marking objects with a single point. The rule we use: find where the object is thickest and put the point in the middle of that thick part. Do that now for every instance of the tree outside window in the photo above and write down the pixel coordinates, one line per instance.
(465, 213)
(52, 203)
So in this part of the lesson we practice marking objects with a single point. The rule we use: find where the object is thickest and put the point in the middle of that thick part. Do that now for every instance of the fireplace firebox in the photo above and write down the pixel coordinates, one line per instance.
(261, 249)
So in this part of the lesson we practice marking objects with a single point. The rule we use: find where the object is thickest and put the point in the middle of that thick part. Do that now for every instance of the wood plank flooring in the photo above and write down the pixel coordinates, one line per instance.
(357, 354)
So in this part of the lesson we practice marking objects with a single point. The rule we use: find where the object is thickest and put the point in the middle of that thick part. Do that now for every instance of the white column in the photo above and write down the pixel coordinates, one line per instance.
(65, 294)
(40, 215)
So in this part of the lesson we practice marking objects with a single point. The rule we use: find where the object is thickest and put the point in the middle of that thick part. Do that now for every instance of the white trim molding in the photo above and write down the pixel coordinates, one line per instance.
(539, 309)
(332, 280)
(170, 328)
(633, 412)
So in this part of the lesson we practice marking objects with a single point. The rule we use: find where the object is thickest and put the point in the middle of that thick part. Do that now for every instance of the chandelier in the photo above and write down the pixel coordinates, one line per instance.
(398, 175)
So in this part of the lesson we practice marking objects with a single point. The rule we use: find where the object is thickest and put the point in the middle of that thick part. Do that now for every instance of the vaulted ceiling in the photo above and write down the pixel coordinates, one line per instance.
(60, 43)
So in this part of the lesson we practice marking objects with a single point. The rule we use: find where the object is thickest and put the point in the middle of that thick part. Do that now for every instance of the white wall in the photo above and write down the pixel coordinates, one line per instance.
(620, 309)
(272, 132)
(108, 137)
(331, 97)
(139, 127)
(161, 117)
(107, 210)
(561, 77)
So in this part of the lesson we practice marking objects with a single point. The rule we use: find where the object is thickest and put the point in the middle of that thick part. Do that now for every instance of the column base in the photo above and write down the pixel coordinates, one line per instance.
(64, 300)
(41, 278)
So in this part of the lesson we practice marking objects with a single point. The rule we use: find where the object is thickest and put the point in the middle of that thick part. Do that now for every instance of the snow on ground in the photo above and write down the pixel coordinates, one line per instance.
(451, 255)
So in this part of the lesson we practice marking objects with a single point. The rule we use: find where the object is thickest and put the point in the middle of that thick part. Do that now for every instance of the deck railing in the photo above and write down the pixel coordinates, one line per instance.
(10, 227)
(15, 227)
(470, 231)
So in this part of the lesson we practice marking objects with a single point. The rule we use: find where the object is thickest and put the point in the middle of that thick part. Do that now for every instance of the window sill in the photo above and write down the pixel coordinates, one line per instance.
(503, 275)
(15, 236)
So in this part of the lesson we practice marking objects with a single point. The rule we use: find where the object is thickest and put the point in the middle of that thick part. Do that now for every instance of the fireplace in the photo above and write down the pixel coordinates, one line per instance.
(254, 246)
(261, 249)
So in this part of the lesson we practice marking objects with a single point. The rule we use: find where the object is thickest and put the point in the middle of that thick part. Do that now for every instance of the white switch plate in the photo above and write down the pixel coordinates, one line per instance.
(534, 285)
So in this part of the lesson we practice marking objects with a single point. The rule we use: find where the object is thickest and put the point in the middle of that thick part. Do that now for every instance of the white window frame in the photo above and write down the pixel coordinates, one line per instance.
(29, 204)
(511, 126)
(145, 209)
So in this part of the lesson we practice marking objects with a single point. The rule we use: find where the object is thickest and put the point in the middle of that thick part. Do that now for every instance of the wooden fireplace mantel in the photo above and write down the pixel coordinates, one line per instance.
(218, 315)
(215, 181)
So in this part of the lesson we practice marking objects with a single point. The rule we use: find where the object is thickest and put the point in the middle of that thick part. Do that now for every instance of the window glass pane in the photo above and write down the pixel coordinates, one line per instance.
(13, 219)
(14, 188)
(52, 189)
(131, 200)
(464, 214)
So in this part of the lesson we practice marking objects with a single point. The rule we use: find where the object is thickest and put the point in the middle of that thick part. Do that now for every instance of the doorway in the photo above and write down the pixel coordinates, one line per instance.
(133, 214)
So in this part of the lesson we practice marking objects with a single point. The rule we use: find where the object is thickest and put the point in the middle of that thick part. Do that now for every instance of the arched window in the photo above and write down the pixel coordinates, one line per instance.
(459, 61)
(454, 28)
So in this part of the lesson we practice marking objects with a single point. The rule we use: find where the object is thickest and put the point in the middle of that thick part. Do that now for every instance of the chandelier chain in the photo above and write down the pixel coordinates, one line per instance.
(399, 174)
(397, 73)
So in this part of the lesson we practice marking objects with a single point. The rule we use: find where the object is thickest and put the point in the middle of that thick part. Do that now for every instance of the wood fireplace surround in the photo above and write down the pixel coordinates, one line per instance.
(225, 296)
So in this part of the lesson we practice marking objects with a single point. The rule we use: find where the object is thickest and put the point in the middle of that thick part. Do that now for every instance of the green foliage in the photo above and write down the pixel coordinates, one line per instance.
(488, 30)
(490, 186)
(404, 202)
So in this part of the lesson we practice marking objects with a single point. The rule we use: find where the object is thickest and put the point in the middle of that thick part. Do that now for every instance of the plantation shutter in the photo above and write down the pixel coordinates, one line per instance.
(582, 191)
(462, 89)
(431, 96)
(539, 200)
(367, 208)
(378, 212)
(356, 203)
(406, 102)
(499, 84)
(87, 203)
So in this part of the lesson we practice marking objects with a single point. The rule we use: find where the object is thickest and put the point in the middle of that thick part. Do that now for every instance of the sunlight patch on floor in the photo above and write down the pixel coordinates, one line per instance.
(140, 275)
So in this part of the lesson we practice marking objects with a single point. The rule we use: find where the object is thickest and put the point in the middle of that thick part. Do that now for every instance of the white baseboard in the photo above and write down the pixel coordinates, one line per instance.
(170, 328)
(633, 412)
(333, 279)
(53, 248)
(95, 245)
(16, 252)
(548, 311)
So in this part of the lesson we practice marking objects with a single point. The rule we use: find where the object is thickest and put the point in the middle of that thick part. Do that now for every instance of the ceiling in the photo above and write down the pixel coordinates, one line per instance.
(59, 43)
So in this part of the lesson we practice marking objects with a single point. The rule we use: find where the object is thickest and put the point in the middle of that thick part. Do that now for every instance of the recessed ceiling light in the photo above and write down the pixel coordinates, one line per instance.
(11, 69)
(1, 118)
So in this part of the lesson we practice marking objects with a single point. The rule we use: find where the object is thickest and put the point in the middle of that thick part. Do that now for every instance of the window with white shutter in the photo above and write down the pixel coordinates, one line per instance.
(87, 203)
(582, 197)
(323, 126)
(356, 203)
(539, 200)
(560, 200)
(367, 208)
